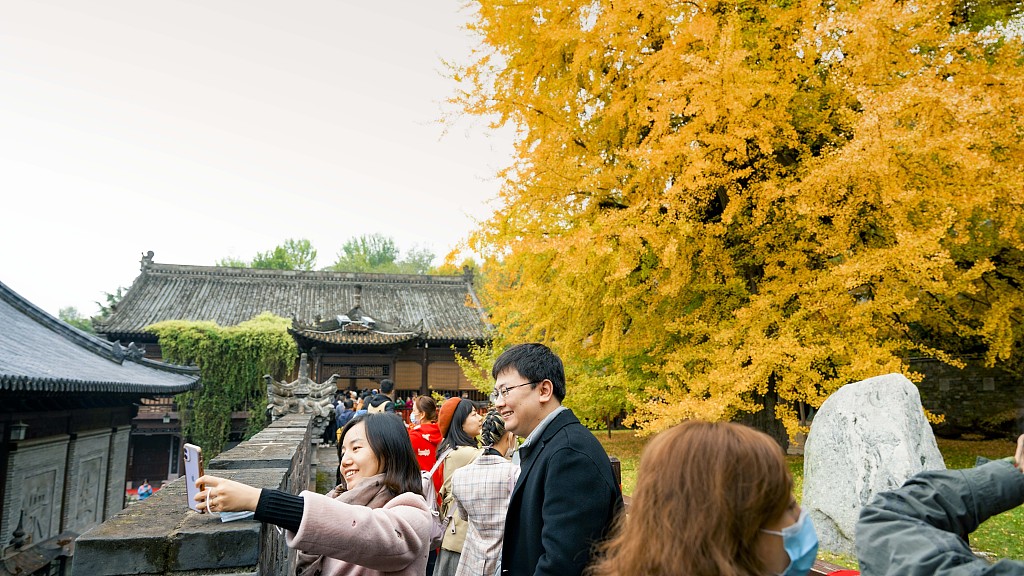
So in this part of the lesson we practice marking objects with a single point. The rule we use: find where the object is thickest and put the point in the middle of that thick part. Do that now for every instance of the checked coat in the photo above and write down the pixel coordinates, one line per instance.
(482, 490)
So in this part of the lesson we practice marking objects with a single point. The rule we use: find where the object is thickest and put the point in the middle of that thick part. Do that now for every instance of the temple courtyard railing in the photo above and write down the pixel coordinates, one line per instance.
(161, 535)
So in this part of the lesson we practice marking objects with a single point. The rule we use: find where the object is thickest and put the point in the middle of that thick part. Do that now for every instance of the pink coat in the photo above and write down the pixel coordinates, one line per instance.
(388, 538)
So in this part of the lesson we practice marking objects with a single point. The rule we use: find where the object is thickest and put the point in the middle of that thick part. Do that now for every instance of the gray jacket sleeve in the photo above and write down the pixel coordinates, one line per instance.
(921, 528)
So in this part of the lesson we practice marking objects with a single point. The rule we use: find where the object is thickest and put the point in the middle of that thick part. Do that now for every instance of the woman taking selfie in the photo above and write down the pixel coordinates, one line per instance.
(460, 424)
(712, 499)
(377, 521)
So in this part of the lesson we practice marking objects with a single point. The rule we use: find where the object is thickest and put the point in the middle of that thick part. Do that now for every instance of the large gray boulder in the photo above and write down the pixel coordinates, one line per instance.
(868, 437)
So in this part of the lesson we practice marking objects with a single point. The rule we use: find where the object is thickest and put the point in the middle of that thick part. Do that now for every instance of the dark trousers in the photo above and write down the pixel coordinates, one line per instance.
(431, 559)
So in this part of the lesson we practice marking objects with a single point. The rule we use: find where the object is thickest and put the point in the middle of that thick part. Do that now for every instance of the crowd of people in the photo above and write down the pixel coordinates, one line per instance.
(711, 499)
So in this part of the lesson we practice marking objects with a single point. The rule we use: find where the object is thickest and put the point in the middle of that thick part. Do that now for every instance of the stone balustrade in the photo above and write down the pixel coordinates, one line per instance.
(161, 535)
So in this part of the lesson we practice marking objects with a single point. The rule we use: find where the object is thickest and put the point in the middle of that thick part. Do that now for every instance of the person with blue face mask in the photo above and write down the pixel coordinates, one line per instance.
(425, 434)
(799, 540)
(711, 499)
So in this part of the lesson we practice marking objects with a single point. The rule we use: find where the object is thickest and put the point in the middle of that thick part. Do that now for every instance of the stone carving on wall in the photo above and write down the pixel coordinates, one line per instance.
(303, 395)
(281, 397)
(320, 401)
(133, 352)
(38, 505)
(89, 497)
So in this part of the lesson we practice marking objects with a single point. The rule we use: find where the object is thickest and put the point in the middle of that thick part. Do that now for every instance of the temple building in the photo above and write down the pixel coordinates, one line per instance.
(361, 326)
(67, 400)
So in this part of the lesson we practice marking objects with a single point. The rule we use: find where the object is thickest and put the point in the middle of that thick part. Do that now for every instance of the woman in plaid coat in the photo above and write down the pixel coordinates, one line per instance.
(482, 491)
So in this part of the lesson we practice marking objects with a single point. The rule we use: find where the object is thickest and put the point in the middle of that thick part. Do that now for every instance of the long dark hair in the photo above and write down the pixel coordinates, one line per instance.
(389, 440)
(456, 436)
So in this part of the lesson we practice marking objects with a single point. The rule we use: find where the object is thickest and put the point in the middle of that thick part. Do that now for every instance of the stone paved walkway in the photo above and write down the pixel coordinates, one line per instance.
(327, 458)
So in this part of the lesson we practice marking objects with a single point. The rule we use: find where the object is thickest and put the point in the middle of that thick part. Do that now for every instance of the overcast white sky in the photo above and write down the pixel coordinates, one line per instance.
(213, 128)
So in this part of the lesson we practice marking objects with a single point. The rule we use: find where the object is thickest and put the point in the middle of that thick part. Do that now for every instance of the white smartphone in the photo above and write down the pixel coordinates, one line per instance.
(193, 470)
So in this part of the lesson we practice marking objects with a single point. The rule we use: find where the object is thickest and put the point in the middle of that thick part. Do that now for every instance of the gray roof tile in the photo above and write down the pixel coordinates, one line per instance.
(39, 353)
(447, 306)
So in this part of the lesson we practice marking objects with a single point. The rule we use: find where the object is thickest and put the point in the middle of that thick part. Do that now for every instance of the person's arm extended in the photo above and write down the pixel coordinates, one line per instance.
(280, 508)
(576, 513)
(386, 539)
(922, 527)
(271, 506)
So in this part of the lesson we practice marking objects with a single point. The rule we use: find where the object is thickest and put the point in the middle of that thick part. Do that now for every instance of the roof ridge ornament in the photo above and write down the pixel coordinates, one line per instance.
(117, 351)
(135, 352)
(147, 261)
(303, 395)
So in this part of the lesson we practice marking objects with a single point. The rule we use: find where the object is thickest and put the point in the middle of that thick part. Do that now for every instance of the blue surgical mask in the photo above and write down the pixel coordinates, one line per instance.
(414, 418)
(801, 544)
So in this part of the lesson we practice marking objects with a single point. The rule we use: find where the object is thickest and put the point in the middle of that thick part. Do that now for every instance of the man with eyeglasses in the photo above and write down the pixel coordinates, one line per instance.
(566, 497)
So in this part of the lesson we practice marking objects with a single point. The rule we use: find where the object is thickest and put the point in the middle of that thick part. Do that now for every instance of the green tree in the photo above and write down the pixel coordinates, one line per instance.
(232, 361)
(291, 255)
(232, 262)
(70, 315)
(718, 206)
(110, 301)
(379, 253)
(367, 253)
(417, 261)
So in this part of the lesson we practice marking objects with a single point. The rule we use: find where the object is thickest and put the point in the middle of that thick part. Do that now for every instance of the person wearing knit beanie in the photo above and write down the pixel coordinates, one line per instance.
(444, 415)
(460, 423)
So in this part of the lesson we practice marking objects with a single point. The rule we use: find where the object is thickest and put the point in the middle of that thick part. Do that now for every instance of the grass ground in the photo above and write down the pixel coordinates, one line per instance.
(1000, 537)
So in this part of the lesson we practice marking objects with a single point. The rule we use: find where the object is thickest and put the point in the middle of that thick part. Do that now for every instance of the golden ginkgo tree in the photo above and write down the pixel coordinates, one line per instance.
(715, 203)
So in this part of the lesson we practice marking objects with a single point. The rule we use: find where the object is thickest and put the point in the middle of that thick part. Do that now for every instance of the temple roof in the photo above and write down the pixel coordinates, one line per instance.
(39, 353)
(402, 306)
(355, 328)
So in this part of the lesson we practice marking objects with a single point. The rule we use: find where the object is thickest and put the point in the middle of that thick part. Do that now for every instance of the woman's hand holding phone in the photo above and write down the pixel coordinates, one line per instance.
(223, 495)
(193, 456)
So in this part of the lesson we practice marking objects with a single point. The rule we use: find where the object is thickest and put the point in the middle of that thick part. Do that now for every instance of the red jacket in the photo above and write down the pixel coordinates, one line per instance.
(425, 437)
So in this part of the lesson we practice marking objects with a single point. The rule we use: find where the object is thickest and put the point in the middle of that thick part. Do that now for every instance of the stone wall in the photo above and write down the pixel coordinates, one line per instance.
(85, 487)
(161, 535)
(974, 399)
(35, 483)
(118, 452)
(67, 475)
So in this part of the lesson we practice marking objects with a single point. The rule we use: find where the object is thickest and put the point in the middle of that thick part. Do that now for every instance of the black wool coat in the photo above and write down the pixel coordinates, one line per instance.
(563, 503)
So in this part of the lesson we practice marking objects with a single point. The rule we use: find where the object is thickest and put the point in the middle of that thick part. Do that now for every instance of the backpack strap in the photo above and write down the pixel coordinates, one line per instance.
(440, 460)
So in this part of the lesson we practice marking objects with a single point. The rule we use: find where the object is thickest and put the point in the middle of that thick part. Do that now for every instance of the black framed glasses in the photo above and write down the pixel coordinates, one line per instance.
(504, 390)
